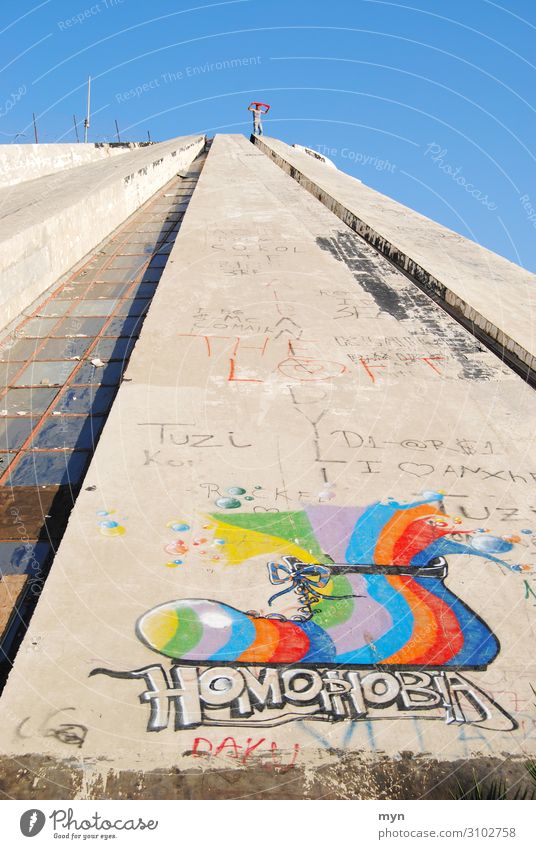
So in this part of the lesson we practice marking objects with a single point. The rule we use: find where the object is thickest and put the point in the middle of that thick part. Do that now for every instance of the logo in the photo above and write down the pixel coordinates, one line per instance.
(32, 822)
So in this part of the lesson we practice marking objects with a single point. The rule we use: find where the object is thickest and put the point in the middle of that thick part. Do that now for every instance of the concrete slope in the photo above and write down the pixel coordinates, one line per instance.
(60, 368)
(22, 162)
(480, 287)
(302, 562)
(48, 224)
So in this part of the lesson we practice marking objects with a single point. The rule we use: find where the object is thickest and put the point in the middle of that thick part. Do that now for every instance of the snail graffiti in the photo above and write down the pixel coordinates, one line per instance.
(353, 620)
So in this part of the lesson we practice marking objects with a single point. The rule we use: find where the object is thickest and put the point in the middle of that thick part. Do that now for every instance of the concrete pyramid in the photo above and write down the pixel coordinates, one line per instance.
(307, 521)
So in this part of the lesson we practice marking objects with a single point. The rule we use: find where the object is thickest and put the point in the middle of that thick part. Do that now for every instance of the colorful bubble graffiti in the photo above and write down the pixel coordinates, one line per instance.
(232, 501)
(191, 541)
(108, 526)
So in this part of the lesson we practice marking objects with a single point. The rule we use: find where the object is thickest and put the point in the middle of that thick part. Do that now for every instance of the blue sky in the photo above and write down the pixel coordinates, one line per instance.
(429, 102)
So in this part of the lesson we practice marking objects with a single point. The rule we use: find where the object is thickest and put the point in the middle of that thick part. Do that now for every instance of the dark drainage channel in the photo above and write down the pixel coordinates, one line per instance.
(60, 369)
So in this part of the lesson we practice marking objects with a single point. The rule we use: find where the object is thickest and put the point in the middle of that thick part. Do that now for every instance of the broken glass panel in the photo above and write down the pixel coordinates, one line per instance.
(69, 432)
(108, 375)
(19, 351)
(105, 306)
(18, 558)
(78, 326)
(15, 432)
(5, 460)
(118, 275)
(128, 261)
(129, 307)
(143, 247)
(143, 290)
(45, 373)
(106, 290)
(96, 263)
(29, 401)
(36, 327)
(137, 239)
(49, 468)
(87, 399)
(152, 275)
(124, 326)
(7, 370)
(150, 228)
(64, 349)
(54, 308)
(166, 248)
(113, 349)
(159, 260)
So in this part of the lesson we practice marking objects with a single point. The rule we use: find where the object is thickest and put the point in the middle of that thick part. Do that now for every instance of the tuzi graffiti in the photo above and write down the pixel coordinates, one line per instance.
(357, 619)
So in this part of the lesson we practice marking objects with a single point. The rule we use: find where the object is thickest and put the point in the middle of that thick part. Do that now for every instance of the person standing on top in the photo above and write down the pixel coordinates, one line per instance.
(258, 112)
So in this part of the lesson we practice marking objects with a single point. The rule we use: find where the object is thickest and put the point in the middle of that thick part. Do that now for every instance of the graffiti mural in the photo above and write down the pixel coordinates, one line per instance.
(357, 619)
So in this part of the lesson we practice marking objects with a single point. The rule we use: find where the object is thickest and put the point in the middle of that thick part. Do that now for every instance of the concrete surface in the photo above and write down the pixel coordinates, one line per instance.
(288, 377)
(21, 162)
(47, 225)
(11, 588)
(484, 289)
(75, 322)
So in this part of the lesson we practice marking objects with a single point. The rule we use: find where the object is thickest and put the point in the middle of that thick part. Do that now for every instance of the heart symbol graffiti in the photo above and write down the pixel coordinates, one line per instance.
(420, 470)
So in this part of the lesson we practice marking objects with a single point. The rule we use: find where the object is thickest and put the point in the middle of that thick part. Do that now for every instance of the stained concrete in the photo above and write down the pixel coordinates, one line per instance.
(22, 162)
(483, 289)
(48, 224)
(287, 366)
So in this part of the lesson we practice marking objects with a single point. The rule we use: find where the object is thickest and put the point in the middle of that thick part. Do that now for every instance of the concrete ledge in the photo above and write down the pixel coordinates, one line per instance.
(341, 775)
(22, 162)
(48, 225)
(487, 292)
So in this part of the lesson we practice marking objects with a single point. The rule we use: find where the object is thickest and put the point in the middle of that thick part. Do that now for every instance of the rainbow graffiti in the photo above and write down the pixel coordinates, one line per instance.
(368, 585)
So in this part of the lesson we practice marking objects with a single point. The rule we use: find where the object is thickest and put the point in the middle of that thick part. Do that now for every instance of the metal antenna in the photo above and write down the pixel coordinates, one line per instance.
(76, 129)
(117, 130)
(149, 136)
(86, 121)
(35, 128)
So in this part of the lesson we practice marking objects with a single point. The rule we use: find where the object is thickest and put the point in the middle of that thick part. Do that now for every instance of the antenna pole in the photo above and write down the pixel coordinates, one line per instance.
(76, 129)
(117, 130)
(35, 129)
(87, 120)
